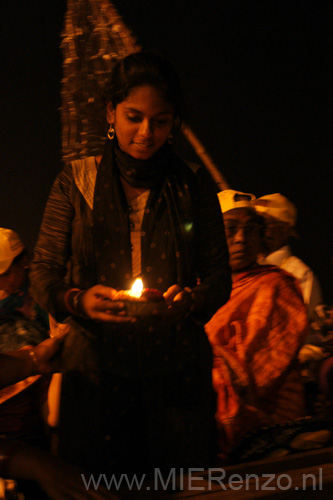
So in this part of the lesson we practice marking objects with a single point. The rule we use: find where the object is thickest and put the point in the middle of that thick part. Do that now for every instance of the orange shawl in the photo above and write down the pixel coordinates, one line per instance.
(255, 337)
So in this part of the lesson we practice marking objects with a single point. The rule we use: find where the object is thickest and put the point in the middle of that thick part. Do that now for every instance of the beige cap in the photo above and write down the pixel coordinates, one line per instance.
(278, 206)
(230, 199)
(10, 247)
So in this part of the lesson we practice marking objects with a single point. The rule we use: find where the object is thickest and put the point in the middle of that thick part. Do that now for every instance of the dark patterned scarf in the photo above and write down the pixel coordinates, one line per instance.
(167, 227)
(142, 173)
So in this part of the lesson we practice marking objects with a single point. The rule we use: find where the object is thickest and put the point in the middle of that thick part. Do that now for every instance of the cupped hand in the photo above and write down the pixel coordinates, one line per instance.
(179, 302)
(97, 303)
(175, 294)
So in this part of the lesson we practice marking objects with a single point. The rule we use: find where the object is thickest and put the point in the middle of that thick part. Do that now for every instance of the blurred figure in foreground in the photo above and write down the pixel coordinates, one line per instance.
(15, 298)
(19, 460)
(256, 335)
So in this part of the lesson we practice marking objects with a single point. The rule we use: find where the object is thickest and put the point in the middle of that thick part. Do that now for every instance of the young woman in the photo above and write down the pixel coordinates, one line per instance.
(136, 393)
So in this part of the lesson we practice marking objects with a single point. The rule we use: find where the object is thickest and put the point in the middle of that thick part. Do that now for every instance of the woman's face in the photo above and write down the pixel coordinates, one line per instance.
(142, 122)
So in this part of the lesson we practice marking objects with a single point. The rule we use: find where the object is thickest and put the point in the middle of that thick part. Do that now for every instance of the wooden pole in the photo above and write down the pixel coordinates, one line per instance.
(202, 153)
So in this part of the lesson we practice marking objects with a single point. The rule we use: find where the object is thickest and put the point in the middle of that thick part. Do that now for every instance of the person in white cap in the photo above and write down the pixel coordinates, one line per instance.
(280, 216)
(256, 335)
(11, 248)
(23, 325)
(15, 297)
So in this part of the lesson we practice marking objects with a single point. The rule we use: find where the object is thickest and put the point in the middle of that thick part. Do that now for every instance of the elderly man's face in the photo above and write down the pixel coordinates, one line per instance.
(277, 233)
(243, 238)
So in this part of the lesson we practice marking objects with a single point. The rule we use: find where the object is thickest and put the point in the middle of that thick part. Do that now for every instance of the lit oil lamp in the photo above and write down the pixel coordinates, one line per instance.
(137, 288)
(140, 301)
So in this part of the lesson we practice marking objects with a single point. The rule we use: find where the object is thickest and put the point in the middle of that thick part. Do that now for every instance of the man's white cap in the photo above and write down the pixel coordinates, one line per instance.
(230, 199)
(277, 206)
(10, 247)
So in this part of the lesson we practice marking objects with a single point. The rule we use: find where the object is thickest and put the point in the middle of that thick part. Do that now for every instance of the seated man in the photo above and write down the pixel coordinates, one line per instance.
(22, 325)
(15, 299)
(280, 216)
(256, 335)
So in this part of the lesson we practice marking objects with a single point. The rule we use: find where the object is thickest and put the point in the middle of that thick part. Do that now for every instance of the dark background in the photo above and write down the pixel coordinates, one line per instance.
(258, 81)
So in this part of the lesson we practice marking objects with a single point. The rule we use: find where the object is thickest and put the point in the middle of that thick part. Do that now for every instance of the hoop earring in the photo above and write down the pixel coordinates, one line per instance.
(170, 139)
(110, 133)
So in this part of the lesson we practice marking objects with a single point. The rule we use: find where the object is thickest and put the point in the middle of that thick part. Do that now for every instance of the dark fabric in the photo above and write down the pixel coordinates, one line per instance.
(65, 243)
(169, 232)
(22, 403)
(135, 395)
(325, 378)
(16, 332)
(21, 304)
(141, 173)
(262, 443)
(21, 414)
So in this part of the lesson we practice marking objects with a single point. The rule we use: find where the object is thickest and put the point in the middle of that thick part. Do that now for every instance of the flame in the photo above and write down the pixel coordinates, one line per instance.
(137, 288)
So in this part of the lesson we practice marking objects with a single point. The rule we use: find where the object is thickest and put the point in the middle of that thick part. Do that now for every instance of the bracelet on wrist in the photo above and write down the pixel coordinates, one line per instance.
(78, 304)
(71, 300)
(68, 299)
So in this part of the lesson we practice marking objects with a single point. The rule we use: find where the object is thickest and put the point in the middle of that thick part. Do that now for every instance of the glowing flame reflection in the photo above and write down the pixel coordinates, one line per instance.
(137, 288)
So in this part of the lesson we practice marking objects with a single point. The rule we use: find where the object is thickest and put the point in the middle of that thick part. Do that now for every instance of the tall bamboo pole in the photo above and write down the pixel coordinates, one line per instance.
(206, 159)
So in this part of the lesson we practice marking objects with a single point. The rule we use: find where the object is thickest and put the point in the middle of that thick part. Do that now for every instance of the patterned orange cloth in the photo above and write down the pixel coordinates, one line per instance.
(256, 337)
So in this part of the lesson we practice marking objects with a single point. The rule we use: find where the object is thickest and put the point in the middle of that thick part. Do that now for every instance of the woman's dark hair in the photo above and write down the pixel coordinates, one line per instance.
(145, 68)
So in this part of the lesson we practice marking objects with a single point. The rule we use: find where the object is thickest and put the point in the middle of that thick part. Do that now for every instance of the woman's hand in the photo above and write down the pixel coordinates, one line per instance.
(97, 303)
(179, 302)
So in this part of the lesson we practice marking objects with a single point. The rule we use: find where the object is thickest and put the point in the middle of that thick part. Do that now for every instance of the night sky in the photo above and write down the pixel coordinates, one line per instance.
(258, 81)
